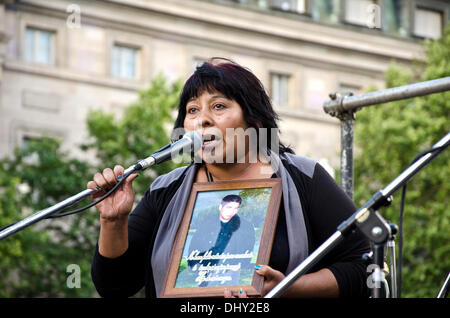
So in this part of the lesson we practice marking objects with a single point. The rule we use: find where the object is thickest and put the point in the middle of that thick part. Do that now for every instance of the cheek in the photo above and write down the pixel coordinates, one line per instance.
(234, 122)
(230, 211)
(188, 124)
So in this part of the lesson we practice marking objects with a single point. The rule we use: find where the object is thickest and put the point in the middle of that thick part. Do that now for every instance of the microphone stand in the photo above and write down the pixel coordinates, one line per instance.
(370, 223)
(43, 214)
(443, 292)
(393, 265)
(191, 142)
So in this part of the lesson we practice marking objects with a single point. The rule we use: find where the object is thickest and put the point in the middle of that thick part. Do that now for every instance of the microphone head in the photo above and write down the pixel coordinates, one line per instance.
(197, 140)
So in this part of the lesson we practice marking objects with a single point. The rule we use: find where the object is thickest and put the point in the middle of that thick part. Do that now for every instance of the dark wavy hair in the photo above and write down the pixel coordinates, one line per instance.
(231, 198)
(236, 83)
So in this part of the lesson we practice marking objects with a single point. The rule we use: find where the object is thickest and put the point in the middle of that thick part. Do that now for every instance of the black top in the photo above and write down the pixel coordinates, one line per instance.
(237, 236)
(324, 204)
(234, 237)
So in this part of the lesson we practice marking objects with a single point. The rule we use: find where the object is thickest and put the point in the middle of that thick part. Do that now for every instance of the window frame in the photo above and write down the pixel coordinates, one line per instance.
(427, 5)
(289, 77)
(137, 62)
(53, 44)
(307, 11)
(21, 130)
(343, 18)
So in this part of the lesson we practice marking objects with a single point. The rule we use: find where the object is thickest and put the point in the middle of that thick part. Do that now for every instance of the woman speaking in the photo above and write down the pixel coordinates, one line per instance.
(218, 100)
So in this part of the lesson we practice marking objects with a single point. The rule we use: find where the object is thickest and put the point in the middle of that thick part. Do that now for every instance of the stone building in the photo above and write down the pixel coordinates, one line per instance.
(60, 58)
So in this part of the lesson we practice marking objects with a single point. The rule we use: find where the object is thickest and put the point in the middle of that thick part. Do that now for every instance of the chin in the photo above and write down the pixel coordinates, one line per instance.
(209, 156)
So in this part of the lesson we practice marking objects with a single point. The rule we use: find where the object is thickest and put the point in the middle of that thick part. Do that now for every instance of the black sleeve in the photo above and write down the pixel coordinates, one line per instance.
(125, 275)
(329, 205)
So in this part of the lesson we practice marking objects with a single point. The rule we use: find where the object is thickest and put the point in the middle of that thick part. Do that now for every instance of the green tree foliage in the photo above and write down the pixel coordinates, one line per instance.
(143, 129)
(34, 261)
(387, 138)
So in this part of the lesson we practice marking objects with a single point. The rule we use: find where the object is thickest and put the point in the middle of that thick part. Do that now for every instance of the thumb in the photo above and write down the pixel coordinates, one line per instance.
(266, 271)
(271, 277)
(127, 184)
(131, 177)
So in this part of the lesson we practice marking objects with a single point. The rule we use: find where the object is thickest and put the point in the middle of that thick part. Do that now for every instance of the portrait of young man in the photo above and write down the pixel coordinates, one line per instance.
(226, 241)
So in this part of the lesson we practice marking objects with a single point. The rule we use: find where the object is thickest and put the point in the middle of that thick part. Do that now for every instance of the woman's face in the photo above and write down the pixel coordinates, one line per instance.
(211, 114)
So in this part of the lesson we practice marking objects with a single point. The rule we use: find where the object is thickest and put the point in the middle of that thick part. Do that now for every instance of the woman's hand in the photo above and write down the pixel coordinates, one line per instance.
(271, 278)
(118, 205)
(229, 294)
(320, 284)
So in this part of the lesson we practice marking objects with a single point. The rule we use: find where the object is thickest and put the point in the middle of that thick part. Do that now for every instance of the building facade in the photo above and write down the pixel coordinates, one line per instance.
(60, 58)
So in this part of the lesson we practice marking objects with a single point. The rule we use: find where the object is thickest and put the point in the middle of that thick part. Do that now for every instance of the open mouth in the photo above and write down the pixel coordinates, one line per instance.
(209, 139)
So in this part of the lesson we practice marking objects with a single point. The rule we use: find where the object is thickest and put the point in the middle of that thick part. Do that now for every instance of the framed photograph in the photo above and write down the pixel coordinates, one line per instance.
(227, 228)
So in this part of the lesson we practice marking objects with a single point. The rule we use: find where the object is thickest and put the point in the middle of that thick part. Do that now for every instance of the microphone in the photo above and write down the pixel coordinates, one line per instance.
(191, 142)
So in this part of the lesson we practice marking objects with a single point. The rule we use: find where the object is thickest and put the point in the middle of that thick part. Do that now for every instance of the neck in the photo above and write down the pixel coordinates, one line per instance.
(240, 171)
(229, 171)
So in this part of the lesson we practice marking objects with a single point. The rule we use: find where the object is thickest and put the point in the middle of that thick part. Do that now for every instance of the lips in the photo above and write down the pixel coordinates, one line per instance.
(210, 140)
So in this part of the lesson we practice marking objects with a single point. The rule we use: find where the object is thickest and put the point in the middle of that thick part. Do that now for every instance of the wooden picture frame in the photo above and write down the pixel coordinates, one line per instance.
(213, 248)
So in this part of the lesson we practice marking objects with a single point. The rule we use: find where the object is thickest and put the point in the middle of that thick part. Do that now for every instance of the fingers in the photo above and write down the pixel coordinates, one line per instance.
(100, 181)
(242, 293)
(109, 177)
(267, 271)
(264, 270)
(271, 277)
(229, 294)
(105, 180)
(92, 185)
(119, 172)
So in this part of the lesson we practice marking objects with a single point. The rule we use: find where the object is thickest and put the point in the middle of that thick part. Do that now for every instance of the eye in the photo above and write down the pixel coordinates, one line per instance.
(219, 106)
(192, 110)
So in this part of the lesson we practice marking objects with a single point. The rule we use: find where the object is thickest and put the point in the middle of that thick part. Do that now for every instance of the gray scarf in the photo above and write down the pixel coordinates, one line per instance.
(296, 230)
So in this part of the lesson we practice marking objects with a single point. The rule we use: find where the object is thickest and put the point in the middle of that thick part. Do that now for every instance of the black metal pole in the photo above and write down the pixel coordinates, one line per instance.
(347, 125)
(366, 219)
(339, 104)
(344, 107)
(378, 274)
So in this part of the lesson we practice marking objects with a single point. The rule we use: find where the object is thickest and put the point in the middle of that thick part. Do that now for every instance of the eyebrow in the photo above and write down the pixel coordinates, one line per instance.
(219, 96)
(213, 97)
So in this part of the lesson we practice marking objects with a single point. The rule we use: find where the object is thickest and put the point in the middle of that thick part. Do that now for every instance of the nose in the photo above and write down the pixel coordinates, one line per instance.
(204, 120)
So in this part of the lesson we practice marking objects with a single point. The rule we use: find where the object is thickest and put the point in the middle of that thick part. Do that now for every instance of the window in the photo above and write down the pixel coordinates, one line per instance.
(395, 17)
(30, 157)
(39, 46)
(428, 23)
(325, 10)
(124, 61)
(362, 12)
(279, 89)
(298, 6)
(27, 140)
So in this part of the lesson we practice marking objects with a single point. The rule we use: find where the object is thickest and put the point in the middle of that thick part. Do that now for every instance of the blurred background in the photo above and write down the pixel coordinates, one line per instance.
(86, 85)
